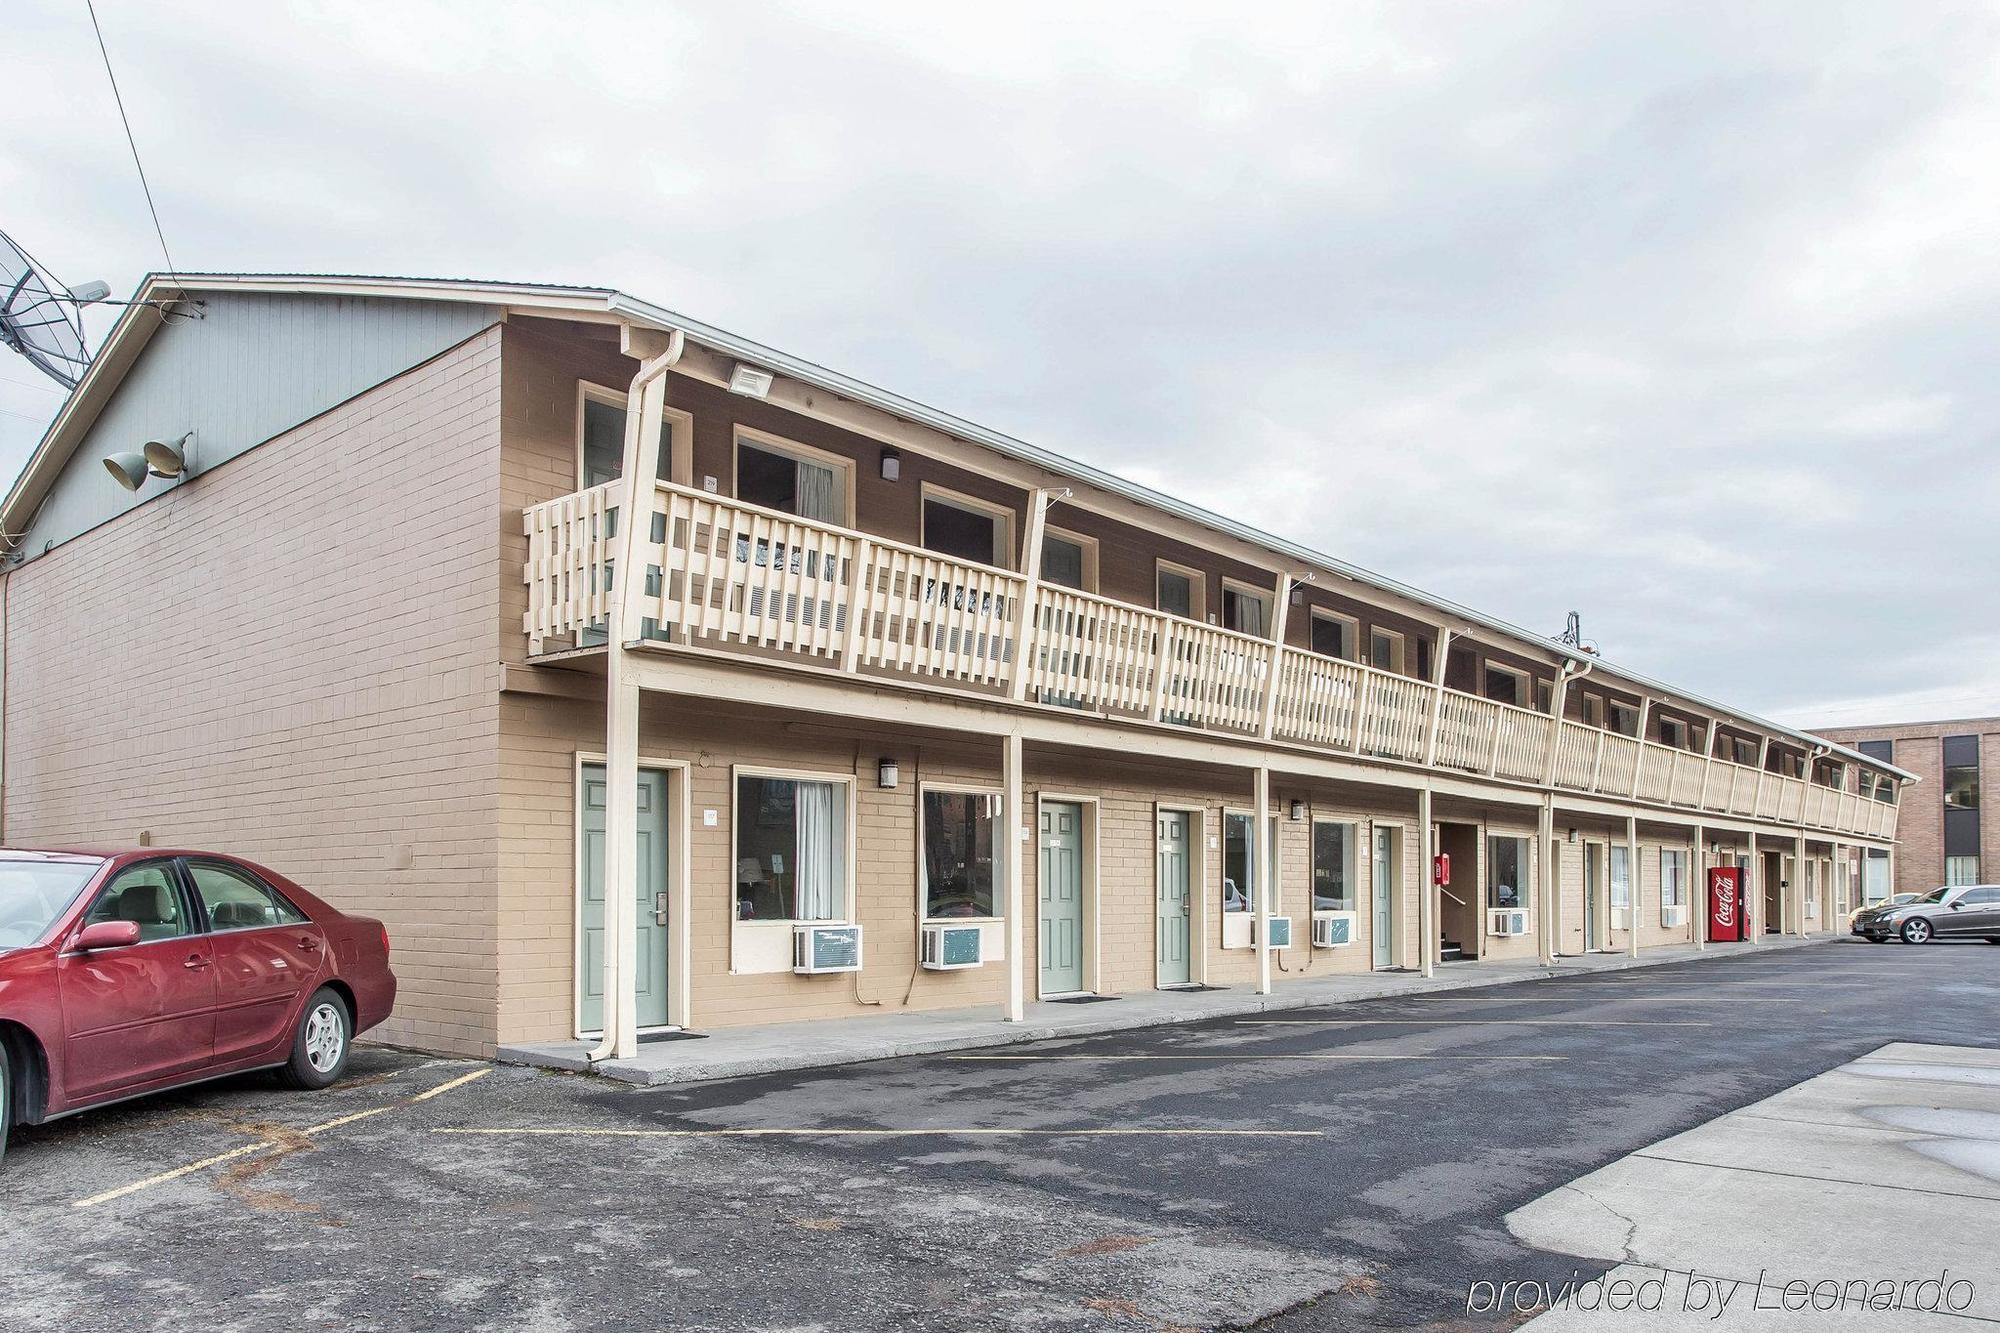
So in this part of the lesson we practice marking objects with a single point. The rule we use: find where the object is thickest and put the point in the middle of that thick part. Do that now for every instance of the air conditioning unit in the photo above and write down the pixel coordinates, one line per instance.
(949, 948)
(1507, 921)
(1281, 932)
(1672, 915)
(1333, 930)
(817, 949)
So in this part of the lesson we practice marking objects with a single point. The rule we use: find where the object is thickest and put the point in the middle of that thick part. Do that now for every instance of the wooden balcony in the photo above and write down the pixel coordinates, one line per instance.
(765, 585)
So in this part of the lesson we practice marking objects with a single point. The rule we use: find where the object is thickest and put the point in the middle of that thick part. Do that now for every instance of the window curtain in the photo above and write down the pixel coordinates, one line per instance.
(822, 852)
(819, 498)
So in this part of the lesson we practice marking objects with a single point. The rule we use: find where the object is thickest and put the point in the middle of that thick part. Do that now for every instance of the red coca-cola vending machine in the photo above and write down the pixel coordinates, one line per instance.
(1725, 903)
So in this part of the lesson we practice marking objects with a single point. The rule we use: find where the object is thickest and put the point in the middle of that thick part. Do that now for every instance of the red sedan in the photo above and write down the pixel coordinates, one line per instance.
(124, 973)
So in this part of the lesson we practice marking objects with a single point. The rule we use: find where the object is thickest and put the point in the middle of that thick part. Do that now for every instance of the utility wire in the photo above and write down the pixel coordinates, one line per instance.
(133, 143)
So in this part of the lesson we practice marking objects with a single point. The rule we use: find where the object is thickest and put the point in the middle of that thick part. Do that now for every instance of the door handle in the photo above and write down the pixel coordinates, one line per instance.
(196, 963)
(308, 943)
(660, 908)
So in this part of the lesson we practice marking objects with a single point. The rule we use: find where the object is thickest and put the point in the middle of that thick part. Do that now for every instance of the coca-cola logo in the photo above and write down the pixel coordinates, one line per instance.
(1725, 905)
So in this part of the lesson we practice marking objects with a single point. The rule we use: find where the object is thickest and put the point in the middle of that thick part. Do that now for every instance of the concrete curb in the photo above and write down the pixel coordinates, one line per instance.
(848, 1047)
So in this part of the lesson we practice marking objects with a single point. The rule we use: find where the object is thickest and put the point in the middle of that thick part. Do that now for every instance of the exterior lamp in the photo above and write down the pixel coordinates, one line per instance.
(892, 465)
(886, 774)
(1298, 811)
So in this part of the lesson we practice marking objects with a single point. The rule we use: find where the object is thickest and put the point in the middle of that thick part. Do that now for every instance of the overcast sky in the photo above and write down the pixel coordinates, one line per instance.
(1681, 316)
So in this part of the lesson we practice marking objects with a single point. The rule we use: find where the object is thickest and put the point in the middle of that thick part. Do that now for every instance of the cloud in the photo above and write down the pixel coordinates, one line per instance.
(1681, 319)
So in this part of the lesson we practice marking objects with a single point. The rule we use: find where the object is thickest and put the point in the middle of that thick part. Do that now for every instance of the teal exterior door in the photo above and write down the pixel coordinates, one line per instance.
(650, 900)
(1060, 888)
(1175, 914)
(1593, 891)
(1382, 891)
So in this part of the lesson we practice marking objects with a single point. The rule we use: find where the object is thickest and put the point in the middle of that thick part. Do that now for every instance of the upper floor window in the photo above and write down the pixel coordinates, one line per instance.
(1505, 685)
(1623, 718)
(1245, 609)
(1743, 750)
(600, 436)
(1333, 636)
(793, 478)
(970, 529)
(1069, 560)
(1386, 650)
(1674, 732)
(1180, 591)
(1961, 788)
(1593, 710)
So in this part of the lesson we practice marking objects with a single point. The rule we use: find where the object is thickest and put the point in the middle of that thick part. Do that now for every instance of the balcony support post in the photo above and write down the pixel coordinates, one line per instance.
(1763, 768)
(1707, 763)
(1546, 889)
(1798, 891)
(656, 352)
(1635, 880)
(1753, 894)
(1014, 844)
(1695, 895)
(1558, 697)
(1639, 758)
(1260, 871)
(1271, 677)
(1427, 903)
(1437, 697)
(1026, 628)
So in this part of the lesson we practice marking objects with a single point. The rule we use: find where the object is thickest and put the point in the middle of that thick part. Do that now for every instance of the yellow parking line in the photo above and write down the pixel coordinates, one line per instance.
(249, 1149)
(956, 1132)
(1474, 1022)
(1234, 1055)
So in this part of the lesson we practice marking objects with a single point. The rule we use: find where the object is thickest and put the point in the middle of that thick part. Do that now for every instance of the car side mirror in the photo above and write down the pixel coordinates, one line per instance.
(1955, 906)
(108, 935)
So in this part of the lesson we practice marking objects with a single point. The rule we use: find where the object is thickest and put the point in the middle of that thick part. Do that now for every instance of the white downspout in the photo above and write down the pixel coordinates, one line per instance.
(643, 415)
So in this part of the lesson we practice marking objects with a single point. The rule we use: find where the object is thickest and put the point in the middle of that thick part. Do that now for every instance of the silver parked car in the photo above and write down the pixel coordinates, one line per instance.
(1955, 911)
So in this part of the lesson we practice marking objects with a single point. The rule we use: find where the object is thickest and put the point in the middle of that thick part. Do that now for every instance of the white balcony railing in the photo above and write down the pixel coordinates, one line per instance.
(735, 577)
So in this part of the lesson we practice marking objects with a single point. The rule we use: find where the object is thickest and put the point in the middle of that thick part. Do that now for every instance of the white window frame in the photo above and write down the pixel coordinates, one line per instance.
(1973, 877)
(1594, 713)
(1673, 893)
(843, 467)
(1090, 550)
(1616, 852)
(1352, 870)
(1268, 596)
(1674, 732)
(680, 426)
(1197, 588)
(1524, 684)
(1000, 849)
(737, 773)
(1276, 867)
(1526, 888)
(1400, 645)
(1350, 633)
(1003, 517)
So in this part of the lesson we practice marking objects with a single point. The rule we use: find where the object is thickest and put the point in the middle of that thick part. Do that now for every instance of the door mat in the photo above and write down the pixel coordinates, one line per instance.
(1084, 999)
(648, 1038)
(1192, 990)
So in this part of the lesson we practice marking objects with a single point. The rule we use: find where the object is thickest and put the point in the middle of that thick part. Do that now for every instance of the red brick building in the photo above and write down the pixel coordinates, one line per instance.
(1942, 838)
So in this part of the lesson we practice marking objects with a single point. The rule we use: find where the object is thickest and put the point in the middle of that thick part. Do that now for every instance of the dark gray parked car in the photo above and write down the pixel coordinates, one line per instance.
(1956, 911)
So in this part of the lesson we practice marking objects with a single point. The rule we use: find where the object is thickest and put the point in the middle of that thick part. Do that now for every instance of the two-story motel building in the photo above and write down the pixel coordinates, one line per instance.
(904, 713)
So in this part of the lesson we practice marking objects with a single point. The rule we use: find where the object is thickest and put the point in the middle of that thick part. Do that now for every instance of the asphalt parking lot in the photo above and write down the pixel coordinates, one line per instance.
(1344, 1167)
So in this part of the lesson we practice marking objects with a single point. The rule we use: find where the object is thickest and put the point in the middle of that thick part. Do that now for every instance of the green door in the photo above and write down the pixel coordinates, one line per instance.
(1382, 888)
(1593, 893)
(1060, 888)
(650, 899)
(1174, 906)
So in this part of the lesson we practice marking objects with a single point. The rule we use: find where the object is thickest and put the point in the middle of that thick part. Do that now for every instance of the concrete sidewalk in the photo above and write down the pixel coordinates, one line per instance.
(1871, 1190)
(733, 1052)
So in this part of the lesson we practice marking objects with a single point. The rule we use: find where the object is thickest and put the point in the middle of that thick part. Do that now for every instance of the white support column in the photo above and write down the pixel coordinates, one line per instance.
(1260, 872)
(1797, 894)
(1437, 699)
(1753, 895)
(1427, 905)
(1635, 878)
(1015, 841)
(1639, 759)
(1695, 894)
(1546, 889)
(1025, 625)
(657, 352)
(1278, 617)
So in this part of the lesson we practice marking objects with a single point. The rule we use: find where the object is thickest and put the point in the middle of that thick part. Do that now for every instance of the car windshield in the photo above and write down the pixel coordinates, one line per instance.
(34, 893)
(1934, 896)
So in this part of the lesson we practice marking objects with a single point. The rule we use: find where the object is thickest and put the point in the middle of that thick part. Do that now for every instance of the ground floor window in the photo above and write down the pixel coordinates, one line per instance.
(1875, 877)
(1673, 878)
(1239, 883)
(1621, 879)
(958, 853)
(1506, 872)
(791, 849)
(1961, 870)
(1333, 867)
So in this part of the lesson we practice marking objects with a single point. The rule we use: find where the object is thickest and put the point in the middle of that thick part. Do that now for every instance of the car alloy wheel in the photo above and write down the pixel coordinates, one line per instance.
(326, 1036)
(1917, 931)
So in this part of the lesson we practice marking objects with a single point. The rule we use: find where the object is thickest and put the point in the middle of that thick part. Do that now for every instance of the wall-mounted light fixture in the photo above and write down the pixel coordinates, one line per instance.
(171, 459)
(750, 381)
(1298, 811)
(886, 774)
(892, 465)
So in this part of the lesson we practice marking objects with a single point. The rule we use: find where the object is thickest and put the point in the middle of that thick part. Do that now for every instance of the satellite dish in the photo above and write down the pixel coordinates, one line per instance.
(38, 316)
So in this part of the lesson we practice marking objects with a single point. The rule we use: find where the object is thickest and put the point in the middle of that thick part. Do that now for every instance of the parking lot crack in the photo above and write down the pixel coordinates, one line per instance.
(1625, 1243)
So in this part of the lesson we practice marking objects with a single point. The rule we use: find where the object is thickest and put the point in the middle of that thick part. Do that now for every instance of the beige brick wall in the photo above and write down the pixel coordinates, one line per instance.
(290, 657)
